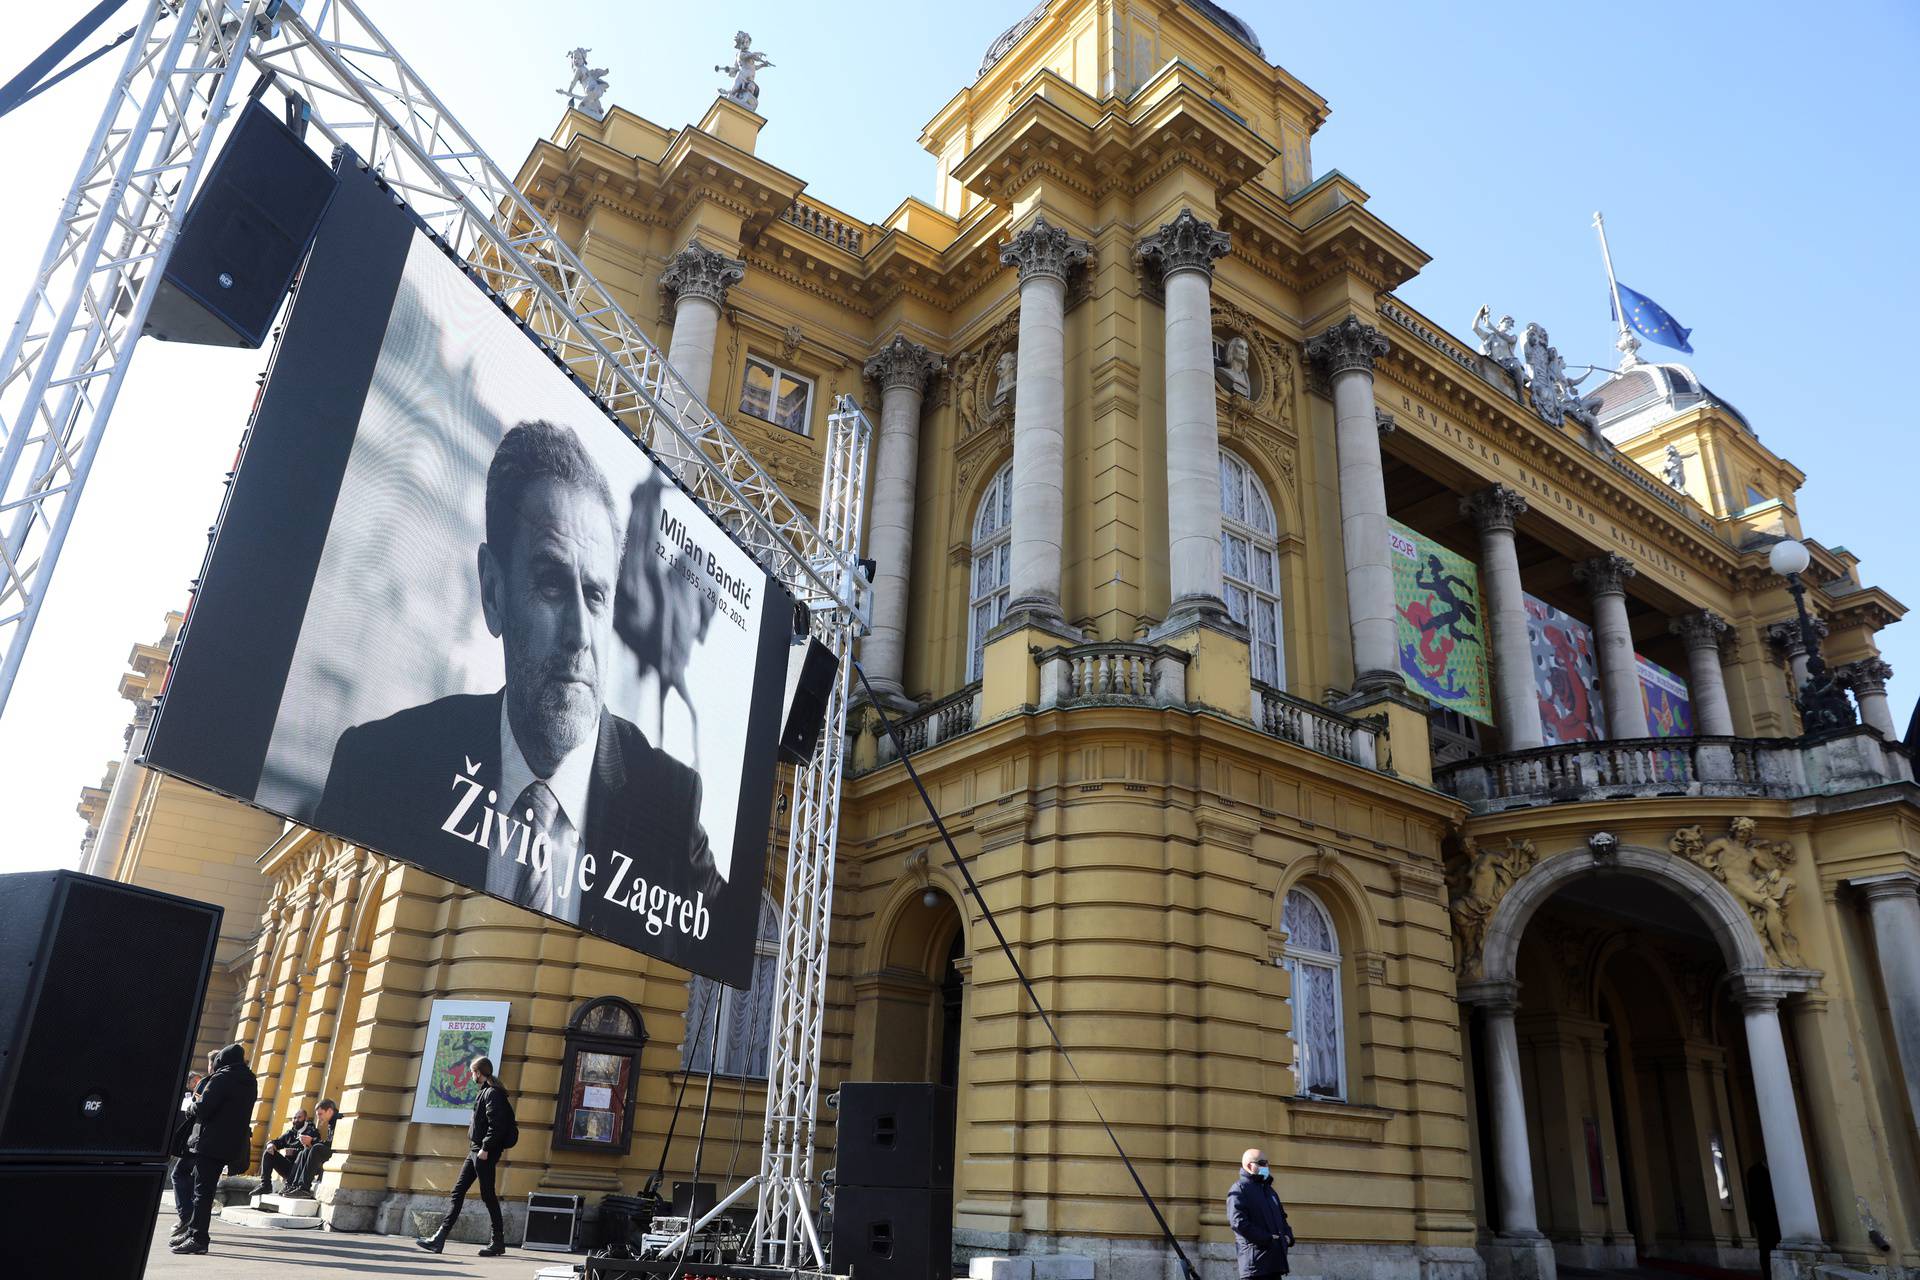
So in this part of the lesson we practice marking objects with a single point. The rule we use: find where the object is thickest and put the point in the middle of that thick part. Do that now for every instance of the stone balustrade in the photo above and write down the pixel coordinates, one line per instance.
(1703, 766)
(933, 724)
(1315, 727)
(1136, 674)
(830, 227)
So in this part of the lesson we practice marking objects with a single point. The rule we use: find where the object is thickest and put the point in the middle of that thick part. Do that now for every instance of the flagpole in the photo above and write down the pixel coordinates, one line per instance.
(1628, 344)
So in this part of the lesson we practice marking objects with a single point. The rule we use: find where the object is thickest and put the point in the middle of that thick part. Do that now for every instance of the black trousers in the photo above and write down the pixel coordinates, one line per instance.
(195, 1178)
(307, 1164)
(279, 1162)
(474, 1167)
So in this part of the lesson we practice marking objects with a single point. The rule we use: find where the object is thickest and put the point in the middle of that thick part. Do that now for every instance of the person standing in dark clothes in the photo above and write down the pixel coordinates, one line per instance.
(281, 1152)
(1258, 1219)
(492, 1131)
(222, 1130)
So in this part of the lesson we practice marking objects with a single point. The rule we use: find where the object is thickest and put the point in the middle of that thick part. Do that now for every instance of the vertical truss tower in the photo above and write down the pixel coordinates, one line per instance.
(69, 350)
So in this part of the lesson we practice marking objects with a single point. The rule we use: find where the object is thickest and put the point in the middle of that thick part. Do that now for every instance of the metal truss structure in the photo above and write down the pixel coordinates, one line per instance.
(68, 354)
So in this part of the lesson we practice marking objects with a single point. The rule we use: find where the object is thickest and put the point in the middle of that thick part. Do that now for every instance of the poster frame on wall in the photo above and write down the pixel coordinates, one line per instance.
(440, 1022)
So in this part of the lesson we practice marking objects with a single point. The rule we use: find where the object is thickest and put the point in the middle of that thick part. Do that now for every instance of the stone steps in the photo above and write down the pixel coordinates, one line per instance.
(275, 1213)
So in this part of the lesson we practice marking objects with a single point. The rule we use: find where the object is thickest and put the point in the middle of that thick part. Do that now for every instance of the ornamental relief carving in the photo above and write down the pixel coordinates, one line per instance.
(1255, 390)
(1755, 873)
(1477, 881)
(982, 385)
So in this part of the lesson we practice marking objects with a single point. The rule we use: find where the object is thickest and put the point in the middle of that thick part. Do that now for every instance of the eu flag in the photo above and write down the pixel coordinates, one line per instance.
(1651, 321)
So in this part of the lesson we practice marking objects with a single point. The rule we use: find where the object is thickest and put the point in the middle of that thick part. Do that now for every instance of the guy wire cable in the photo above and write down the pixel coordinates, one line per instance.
(699, 1143)
(966, 872)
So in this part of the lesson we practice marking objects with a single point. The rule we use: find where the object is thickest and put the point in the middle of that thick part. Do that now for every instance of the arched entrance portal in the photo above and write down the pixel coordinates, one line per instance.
(908, 1021)
(1629, 1065)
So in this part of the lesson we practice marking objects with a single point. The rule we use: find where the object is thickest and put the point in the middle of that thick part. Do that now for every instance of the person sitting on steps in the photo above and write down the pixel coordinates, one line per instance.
(279, 1155)
(316, 1144)
(493, 1131)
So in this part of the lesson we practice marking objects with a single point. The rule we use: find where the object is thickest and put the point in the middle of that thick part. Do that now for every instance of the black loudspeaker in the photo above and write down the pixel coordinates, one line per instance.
(893, 1233)
(100, 992)
(59, 1222)
(692, 1199)
(894, 1135)
(810, 671)
(244, 236)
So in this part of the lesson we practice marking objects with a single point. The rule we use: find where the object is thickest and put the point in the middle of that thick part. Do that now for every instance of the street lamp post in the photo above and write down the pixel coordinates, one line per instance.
(1823, 703)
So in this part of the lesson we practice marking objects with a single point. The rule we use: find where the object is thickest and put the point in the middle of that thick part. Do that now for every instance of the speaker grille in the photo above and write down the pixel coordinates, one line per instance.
(62, 1222)
(99, 1067)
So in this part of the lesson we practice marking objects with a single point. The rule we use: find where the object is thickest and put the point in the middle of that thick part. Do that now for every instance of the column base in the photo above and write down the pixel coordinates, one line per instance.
(1374, 682)
(1520, 1258)
(1799, 1260)
(1042, 612)
(1197, 611)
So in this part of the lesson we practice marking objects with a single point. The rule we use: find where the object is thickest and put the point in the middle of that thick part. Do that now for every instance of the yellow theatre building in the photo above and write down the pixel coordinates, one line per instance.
(1375, 751)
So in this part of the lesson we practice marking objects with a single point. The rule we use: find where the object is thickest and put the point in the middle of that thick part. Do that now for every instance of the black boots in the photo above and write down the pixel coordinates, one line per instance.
(438, 1240)
(498, 1247)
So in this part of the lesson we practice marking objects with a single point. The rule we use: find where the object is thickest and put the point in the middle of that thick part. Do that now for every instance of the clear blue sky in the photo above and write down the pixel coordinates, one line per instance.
(1756, 163)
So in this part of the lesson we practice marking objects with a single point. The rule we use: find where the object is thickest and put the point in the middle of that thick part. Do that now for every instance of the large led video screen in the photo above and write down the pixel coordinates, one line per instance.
(454, 613)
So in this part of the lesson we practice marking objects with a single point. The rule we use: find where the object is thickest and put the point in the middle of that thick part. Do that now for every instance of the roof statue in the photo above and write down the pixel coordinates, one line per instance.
(1675, 467)
(747, 62)
(1555, 398)
(1497, 342)
(590, 83)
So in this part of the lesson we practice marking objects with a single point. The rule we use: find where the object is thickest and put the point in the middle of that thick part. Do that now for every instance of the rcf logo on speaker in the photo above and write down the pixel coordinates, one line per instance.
(93, 1104)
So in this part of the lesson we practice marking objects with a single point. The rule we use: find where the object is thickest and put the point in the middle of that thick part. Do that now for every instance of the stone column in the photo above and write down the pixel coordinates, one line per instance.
(1868, 680)
(1606, 578)
(1779, 1114)
(698, 278)
(1785, 636)
(1346, 353)
(1895, 912)
(1186, 248)
(1044, 255)
(1513, 1159)
(1712, 717)
(903, 369)
(1494, 509)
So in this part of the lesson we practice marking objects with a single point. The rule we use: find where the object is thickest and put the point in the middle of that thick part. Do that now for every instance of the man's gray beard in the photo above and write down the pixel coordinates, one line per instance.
(556, 725)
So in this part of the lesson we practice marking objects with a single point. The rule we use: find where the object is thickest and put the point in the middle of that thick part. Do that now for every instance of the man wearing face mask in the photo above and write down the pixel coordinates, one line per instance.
(1258, 1219)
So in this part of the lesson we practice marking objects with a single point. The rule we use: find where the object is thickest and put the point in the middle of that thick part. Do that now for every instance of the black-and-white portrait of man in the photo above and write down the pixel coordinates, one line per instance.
(558, 788)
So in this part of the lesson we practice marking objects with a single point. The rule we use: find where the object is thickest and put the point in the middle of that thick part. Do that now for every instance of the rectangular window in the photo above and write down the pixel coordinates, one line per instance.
(773, 395)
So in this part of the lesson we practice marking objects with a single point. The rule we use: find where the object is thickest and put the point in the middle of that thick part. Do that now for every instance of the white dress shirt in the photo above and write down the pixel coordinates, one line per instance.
(569, 784)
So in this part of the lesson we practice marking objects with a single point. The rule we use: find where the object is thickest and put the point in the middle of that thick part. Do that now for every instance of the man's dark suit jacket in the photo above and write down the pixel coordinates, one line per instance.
(393, 784)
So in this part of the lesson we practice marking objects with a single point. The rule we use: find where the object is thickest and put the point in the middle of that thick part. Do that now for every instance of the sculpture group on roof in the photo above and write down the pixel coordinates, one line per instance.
(586, 91)
(1539, 367)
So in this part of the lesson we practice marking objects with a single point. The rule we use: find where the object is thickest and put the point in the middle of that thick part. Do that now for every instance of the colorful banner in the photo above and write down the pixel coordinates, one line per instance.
(1668, 702)
(458, 1031)
(1442, 637)
(1566, 673)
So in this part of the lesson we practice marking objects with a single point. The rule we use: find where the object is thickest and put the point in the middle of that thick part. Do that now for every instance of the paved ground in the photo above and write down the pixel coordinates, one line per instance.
(243, 1253)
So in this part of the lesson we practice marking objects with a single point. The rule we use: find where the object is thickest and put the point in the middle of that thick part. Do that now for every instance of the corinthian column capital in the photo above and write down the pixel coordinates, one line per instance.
(1185, 244)
(903, 364)
(1045, 251)
(1349, 345)
(1605, 575)
(1700, 630)
(699, 272)
(1493, 509)
(1868, 676)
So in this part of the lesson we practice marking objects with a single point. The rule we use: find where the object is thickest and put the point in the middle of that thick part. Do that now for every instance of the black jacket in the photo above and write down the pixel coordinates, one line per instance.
(1260, 1227)
(395, 783)
(223, 1117)
(290, 1140)
(322, 1139)
(492, 1119)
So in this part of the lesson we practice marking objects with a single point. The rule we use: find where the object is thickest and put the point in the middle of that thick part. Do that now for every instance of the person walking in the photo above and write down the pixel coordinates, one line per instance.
(1258, 1219)
(222, 1129)
(492, 1131)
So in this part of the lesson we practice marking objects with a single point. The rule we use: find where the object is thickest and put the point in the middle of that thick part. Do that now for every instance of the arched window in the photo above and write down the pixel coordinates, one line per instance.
(746, 1017)
(992, 548)
(1312, 961)
(1250, 565)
